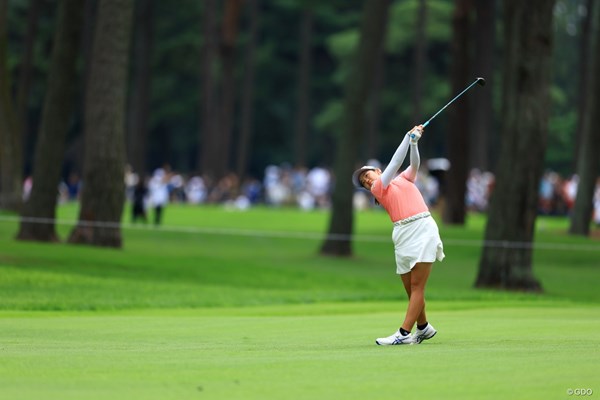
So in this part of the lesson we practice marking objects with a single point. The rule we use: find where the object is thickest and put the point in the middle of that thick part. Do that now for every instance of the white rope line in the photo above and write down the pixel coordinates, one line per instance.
(300, 235)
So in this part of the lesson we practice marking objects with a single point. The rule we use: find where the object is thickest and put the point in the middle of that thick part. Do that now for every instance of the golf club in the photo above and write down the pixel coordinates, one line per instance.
(480, 81)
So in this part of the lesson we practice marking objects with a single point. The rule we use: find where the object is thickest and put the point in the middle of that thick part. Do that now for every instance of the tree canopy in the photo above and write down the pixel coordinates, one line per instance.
(173, 109)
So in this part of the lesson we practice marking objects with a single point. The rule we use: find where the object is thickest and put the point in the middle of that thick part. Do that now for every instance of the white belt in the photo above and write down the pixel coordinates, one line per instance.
(412, 218)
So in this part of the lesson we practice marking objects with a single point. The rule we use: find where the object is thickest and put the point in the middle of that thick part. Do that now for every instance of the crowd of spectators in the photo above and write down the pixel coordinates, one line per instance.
(308, 189)
(557, 194)
(281, 186)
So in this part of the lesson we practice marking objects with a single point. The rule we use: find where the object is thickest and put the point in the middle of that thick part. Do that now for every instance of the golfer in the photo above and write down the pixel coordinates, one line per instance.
(416, 237)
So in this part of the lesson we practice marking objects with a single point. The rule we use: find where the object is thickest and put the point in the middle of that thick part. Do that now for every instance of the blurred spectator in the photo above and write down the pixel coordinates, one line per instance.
(27, 186)
(226, 189)
(559, 206)
(303, 198)
(547, 192)
(139, 197)
(176, 187)
(73, 186)
(428, 185)
(195, 190)
(570, 191)
(276, 193)
(251, 188)
(361, 200)
(478, 190)
(318, 183)
(305, 201)
(159, 194)
(438, 168)
(131, 180)
(298, 180)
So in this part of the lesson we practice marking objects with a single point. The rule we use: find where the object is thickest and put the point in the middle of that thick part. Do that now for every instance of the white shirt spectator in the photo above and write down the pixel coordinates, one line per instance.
(318, 181)
(159, 192)
(195, 190)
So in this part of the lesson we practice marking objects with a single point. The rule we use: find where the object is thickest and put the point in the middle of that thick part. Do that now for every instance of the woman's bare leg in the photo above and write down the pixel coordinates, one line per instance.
(406, 278)
(416, 303)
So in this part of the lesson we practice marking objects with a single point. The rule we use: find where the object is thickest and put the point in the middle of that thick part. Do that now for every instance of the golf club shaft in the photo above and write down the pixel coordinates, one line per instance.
(450, 102)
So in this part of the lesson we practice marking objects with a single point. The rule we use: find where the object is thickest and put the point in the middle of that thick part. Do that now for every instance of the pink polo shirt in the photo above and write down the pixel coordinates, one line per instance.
(401, 198)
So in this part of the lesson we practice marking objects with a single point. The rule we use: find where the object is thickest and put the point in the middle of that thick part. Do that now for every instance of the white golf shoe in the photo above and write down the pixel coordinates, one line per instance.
(396, 338)
(424, 334)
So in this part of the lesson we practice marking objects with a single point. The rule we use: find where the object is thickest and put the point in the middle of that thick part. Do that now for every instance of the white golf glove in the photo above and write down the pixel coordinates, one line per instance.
(414, 136)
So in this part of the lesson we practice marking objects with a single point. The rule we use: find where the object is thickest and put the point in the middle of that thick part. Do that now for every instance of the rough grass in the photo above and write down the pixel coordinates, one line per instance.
(212, 257)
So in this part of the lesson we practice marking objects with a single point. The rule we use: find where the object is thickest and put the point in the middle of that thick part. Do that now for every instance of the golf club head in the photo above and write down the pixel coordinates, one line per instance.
(481, 81)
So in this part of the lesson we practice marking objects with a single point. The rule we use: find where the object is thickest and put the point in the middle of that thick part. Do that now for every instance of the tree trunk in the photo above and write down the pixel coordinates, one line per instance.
(454, 211)
(506, 262)
(25, 73)
(374, 109)
(420, 61)
(208, 99)
(584, 77)
(588, 163)
(103, 192)
(228, 87)
(142, 83)
(304, 71)
(248, 91)
(11, 156)
(481, 112)
(75, 145)
(360, 79)
(37, 222)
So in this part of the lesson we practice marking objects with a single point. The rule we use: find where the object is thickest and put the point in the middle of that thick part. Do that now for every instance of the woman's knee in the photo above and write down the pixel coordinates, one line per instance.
(419, 276)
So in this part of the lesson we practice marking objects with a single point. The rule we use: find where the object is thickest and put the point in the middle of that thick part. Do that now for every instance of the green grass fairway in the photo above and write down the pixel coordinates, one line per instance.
(218, 304)
(298, 352)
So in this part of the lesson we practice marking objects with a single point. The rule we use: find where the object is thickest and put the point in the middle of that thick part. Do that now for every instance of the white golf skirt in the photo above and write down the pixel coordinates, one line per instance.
(416, 241)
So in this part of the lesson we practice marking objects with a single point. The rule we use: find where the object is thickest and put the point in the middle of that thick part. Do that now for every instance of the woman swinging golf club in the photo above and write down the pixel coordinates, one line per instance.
(416, 237)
